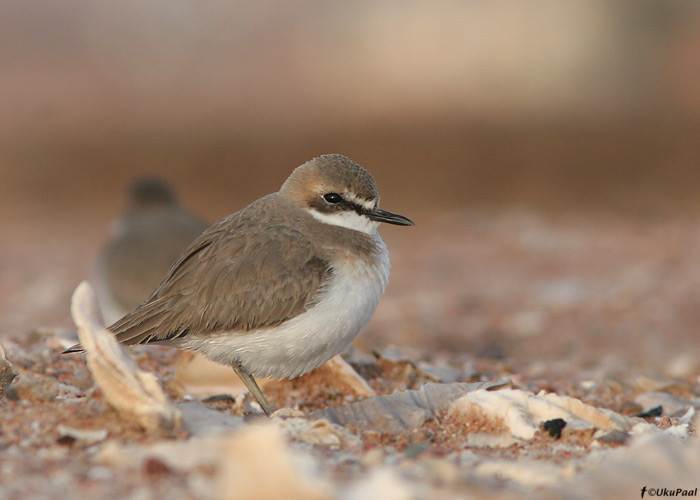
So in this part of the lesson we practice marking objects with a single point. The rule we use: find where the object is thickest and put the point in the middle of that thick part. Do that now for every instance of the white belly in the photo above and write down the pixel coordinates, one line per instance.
(310, 339)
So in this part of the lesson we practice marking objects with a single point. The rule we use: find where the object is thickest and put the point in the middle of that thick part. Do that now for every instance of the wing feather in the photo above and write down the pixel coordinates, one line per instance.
(235, 277)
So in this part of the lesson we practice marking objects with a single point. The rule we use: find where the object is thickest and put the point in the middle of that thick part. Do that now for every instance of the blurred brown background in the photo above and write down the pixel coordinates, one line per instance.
(586, 107)
(453, 104)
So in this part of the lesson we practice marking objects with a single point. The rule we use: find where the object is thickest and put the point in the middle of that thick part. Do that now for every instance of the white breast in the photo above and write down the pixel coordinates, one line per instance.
(312, 338)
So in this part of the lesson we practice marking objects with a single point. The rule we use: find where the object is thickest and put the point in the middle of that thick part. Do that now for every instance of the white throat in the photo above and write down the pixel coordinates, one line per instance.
(348, 219)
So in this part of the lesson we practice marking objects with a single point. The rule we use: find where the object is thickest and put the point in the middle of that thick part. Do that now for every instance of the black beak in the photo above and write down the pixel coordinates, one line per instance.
(379, 215)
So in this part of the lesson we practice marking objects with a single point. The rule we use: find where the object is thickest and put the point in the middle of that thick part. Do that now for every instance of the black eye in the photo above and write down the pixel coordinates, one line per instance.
(333, 198)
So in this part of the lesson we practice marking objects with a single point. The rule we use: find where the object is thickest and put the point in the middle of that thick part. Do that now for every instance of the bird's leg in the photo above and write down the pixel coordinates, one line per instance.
(252, 386)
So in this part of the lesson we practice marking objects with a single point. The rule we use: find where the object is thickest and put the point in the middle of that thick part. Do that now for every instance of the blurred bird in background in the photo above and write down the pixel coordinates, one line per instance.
(151, 233)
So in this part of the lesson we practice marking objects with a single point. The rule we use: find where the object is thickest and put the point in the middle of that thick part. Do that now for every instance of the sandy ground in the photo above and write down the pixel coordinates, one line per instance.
(598, 307)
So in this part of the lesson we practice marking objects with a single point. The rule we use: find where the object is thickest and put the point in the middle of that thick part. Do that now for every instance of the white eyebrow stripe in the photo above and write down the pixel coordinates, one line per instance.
(368, 204)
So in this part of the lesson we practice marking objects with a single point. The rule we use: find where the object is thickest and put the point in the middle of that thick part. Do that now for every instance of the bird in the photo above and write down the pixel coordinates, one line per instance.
(150, 234)
(281, 286)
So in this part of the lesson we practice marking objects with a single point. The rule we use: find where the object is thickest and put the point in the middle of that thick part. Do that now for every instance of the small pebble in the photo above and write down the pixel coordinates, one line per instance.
(373, 457)
(68, 435)
(671, 404)
(154, 467)
(100, 473)
(614, 437)
(656, 411)
(444, 471)
(41, 389)
(415, 449)
(554, 427)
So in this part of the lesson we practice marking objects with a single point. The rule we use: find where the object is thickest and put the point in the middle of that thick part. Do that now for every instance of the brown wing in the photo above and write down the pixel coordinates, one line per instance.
(234, 277)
